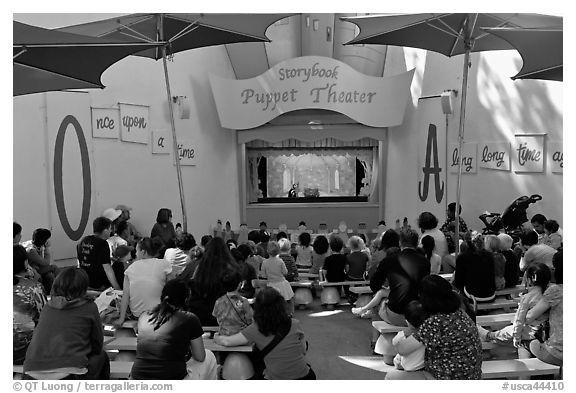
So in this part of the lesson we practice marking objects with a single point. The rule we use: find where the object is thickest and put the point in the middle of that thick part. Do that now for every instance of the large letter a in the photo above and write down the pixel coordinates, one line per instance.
(431, 148)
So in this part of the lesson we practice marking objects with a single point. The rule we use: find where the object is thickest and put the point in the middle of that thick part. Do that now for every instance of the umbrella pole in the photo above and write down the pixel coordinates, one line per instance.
(460, 141)
(175, 142)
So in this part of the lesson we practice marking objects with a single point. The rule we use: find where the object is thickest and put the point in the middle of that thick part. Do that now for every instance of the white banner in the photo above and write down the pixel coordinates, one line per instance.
(161, 142)
(311, 82)
(134, 123)
(556, 156)
(105, 123)
(431, 187)
(71, 190)
(495, 155)
(469, 157)
(528, 153)
(187, 152)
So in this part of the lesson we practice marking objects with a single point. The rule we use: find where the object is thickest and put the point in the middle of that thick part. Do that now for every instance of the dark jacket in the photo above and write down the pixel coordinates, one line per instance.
(68, 332)
(404, 271)
(475, 272)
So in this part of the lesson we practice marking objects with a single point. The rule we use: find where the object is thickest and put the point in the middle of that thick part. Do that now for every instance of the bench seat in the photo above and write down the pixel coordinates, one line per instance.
(129, 344)
(498, 303)
(118, 370)
(495, 320)
(349, 283)
(517, 368)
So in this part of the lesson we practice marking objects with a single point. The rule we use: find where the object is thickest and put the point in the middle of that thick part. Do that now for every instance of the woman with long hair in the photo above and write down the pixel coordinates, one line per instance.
(278, 337)
(453, 346)
(144, 279)
(205, 282)
(170, 344)
(428, 246)
(40, 256)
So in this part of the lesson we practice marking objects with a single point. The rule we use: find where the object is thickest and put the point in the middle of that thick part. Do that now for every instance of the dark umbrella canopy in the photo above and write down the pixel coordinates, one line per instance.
(47, 60)
(182, 31)
(540, 48)
(449, 34)
(442, 33)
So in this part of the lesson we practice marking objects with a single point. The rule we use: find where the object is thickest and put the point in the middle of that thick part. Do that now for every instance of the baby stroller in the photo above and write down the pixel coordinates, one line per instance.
(511, 219)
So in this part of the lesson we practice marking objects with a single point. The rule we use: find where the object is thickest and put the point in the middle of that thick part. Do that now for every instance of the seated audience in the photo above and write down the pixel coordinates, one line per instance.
(40, 256)
(27, 301)
(356, 261)
(492, 245)
(120, 238)
(537, 221)
(550, 349)
(453, 347)
(121, 258)
(143, 280)
(168, 336)
(247, 272)
(474, 275)
(410, 358)
(520, 332)
(533, 251)
(275, 271)
(288, 260)
(428, 224)
(335, 264)
(320, 249)
(206, 281)
(304, 251)
(279, 338)
(94, 256)
(551, 236)
(68, 340)
(428, 246)
(512, 268)
(232, 310)
(180, 256)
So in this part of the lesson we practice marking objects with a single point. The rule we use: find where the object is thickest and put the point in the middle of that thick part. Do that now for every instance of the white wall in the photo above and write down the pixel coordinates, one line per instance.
(127, 173)
(496, 109)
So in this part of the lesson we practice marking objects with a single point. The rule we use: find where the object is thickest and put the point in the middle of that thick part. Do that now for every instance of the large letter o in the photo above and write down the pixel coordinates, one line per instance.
(86, 180)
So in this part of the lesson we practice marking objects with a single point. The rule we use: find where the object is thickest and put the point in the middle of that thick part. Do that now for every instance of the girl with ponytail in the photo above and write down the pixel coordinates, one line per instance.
(170, 344)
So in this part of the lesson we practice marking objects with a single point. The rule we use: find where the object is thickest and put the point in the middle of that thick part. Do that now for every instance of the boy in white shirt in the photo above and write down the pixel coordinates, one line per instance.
(413, 360)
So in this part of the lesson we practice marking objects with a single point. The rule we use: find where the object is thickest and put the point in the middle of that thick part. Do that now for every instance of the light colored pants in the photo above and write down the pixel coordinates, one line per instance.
(540, 350)
(206, 370)
(408, 375)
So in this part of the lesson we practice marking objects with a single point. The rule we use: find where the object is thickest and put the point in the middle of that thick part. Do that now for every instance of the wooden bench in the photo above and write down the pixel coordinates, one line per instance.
(517, 368)
(495, 320)
(130, 343)
(302, 292)
(308, 275)
(118, 369)
(505, 304)
(364, 295)
(511, 292)
(331, 295)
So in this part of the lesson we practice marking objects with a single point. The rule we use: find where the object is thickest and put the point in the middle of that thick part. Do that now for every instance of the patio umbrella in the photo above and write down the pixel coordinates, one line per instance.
(540, 48)
(47, 60)
(449, 34)
(180, 32)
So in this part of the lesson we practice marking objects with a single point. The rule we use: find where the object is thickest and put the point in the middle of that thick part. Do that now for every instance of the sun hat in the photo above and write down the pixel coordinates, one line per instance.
(111, 214)
(123, 207)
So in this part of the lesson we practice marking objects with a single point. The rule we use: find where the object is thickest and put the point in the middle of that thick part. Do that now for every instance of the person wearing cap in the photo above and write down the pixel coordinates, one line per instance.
(113, 215)
(133, 235)
(94, 256)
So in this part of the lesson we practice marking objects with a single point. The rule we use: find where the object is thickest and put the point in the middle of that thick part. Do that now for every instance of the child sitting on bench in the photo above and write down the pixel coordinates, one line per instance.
(410, 359)
(232, 310)
(520, 333)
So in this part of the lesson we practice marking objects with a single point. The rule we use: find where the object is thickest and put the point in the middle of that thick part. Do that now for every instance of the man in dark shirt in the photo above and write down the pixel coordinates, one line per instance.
(404, 271)
(94, 256)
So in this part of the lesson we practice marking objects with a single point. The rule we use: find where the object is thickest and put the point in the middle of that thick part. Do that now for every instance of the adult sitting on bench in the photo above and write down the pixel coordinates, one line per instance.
(404, 271)
(453, 347)
(166, 335)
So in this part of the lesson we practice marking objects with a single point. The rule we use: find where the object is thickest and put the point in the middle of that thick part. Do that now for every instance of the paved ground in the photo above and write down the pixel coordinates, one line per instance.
(339, 344)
